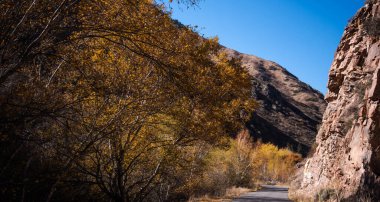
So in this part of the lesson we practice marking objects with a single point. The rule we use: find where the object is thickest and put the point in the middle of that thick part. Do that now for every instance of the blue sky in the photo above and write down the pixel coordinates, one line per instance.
(300, 35)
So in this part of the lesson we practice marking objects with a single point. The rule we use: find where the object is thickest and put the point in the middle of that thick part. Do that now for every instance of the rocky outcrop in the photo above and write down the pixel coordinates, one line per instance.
(347, 159)
(290, 110)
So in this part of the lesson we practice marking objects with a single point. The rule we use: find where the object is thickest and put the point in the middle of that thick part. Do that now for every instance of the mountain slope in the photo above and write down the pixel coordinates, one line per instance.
(290, 110)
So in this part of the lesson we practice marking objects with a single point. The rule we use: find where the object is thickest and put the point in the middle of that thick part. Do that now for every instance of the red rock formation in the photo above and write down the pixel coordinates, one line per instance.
(347, 159)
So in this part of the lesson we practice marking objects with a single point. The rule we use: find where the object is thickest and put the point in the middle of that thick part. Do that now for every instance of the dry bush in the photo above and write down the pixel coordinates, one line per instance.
(228, 167)
(273, 164)
(298, 198)
(243, 164)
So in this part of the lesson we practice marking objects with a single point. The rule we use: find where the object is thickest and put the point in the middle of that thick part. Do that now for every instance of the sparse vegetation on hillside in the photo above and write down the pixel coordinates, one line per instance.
(372, 27)
(371, 1)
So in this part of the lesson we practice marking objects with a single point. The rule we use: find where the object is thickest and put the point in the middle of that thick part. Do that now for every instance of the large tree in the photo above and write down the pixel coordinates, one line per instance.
(109, 99)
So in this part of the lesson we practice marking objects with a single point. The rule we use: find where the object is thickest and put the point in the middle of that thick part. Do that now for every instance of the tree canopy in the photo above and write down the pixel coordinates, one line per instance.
(109, 99)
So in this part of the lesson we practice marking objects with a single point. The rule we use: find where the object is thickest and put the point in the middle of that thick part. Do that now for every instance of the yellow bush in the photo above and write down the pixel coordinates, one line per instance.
(273, 164)
(244, 163)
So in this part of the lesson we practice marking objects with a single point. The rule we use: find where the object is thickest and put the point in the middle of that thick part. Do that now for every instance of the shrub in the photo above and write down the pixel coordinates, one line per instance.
(372, 27)
(325, 194)
(229, 167)
(371, 1)
(273, 164)
(243, 164)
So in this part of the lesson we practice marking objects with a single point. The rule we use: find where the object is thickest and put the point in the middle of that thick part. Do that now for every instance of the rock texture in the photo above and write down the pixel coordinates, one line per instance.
(347, 159)
(290, 110)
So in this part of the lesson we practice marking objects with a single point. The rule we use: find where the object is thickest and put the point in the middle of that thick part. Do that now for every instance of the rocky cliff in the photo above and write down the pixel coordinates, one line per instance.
(290, 110)
(346, 164)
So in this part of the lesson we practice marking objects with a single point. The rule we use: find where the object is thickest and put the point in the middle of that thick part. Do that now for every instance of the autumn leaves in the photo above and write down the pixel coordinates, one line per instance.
(109, 100)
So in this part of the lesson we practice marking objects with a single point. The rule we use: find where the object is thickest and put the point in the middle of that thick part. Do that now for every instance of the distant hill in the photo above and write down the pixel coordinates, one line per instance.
(290, 111)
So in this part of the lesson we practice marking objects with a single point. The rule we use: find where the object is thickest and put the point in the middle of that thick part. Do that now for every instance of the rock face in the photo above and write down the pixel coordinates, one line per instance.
(290, 110)
(347, 159)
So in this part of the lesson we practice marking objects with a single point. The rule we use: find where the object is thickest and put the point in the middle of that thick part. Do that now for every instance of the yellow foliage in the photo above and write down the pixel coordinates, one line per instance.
(244, 163)
(274, 164)
(116, 96)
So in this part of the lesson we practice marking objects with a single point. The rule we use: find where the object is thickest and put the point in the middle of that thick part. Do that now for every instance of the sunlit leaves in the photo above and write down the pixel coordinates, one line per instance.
(244, 163)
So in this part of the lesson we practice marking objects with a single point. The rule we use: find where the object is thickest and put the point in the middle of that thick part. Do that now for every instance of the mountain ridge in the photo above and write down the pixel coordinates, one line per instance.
(290, 110)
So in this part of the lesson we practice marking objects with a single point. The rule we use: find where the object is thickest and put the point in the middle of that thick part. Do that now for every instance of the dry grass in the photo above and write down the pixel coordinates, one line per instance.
(230, 194)
(208, 199)
(334, 198)
(234, 192)
(303, 200)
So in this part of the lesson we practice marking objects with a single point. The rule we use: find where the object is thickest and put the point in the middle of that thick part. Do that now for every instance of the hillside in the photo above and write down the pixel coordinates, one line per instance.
(290, 110)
